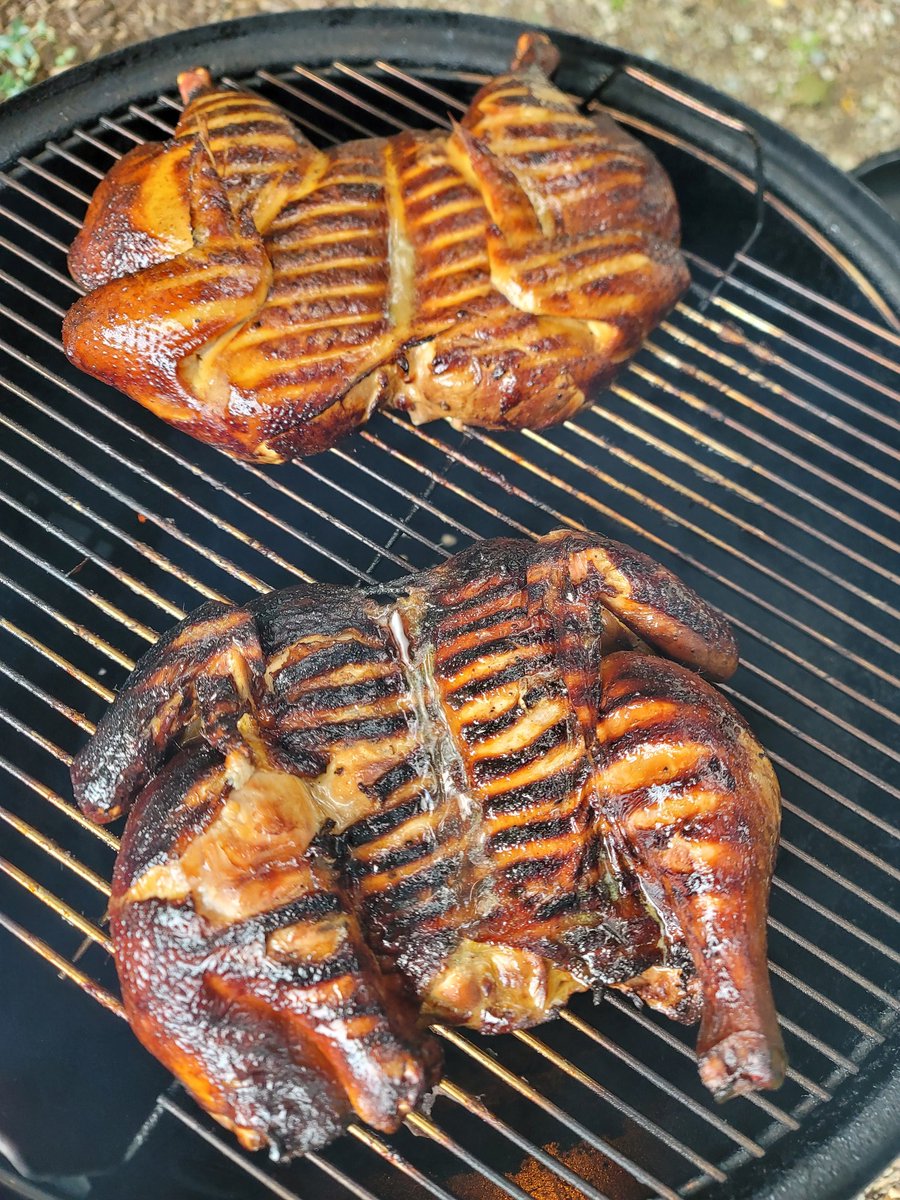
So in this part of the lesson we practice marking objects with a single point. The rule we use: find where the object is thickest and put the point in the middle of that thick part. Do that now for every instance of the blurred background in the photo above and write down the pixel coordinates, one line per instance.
(826, 69)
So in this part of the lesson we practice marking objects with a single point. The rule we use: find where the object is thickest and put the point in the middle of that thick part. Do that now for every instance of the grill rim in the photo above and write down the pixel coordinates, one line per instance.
(828, 1159)
(859, 227)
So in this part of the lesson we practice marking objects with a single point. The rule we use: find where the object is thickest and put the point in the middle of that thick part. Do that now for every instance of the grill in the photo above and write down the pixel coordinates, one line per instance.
(752, 447)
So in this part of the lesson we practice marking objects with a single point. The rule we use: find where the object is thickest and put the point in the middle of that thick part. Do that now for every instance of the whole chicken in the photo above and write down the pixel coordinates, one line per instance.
(462, 798)
(265, 296)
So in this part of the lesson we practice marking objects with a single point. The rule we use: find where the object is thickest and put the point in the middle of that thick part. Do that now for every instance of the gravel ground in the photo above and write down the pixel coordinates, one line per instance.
(825, 69)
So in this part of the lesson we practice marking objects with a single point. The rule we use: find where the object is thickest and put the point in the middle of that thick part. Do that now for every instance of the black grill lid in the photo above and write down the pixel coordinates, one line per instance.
(752, 447)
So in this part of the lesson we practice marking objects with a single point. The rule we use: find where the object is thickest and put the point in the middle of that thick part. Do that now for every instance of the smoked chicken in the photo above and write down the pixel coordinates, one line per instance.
(460, 799)
(265, 295)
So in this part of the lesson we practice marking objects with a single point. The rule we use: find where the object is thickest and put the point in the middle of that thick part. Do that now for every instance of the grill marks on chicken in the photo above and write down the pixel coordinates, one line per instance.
(465, 799)
(140, 214)
(582, 221)
(500, 685)
(309, 355)
(237, 930)
(202, 675)
(678, 815)
(495, 277)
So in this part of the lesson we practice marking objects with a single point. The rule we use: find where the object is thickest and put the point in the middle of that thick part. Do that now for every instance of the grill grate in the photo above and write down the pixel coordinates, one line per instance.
(752, 446)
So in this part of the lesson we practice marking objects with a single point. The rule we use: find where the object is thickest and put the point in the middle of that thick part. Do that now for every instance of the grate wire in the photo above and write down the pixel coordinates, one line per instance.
(800, 516)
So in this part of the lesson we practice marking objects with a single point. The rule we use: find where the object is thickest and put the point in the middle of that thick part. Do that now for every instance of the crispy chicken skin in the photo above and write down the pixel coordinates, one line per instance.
(243, 968)
(266, 296)
(464, 798)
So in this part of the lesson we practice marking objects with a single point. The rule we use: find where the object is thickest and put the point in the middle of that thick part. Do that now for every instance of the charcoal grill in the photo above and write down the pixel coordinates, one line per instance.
(752, 446)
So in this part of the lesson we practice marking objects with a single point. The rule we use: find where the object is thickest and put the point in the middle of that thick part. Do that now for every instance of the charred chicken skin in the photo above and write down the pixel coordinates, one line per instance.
(463, 798)
(265, 296)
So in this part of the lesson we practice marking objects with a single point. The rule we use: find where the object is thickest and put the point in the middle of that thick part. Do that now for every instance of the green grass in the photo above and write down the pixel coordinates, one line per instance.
(26, 51)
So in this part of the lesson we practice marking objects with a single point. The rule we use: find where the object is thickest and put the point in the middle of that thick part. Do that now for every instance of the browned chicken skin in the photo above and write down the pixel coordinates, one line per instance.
(464, 797)
(265, 296)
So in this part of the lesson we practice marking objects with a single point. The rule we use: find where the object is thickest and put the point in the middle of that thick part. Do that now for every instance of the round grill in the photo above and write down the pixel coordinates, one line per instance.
(752, 447)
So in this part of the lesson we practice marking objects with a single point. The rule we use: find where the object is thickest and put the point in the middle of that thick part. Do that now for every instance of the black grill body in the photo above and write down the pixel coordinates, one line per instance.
(752, 447)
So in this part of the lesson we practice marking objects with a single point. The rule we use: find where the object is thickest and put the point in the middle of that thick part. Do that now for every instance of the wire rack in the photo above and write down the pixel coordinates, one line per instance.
(753, 447)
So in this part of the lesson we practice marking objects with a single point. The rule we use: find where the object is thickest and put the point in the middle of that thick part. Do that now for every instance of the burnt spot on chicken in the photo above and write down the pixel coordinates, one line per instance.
(243, 967)
(464, 798)
(207, 672)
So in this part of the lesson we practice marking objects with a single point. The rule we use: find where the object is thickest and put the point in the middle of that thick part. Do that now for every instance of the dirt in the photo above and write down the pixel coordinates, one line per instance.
(826, 69)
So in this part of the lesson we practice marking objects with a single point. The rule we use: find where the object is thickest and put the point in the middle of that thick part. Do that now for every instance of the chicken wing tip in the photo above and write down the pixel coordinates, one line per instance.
(192, 82)
(535, 49)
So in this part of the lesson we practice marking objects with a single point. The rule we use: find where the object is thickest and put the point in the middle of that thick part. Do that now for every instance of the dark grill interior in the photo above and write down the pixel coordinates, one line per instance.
(752, 447)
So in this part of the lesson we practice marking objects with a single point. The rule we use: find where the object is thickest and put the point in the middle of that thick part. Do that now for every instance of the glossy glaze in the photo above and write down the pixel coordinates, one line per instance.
(466, 798)
(265, 296)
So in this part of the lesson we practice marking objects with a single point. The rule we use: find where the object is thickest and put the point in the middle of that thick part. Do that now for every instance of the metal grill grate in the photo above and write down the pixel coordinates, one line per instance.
(753, 447)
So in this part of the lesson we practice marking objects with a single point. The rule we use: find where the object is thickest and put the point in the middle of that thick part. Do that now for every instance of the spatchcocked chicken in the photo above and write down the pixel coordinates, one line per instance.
(459, 799)
(265, 296)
